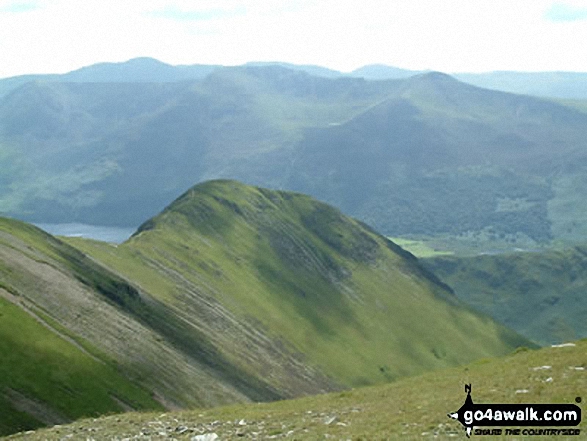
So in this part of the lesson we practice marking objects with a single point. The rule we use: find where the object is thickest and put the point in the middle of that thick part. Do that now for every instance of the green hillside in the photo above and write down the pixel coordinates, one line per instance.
(232, 294)
(78, 340)
(48, 374)
(47, 379)
(346, 300)
(539, 294)
(414, 408)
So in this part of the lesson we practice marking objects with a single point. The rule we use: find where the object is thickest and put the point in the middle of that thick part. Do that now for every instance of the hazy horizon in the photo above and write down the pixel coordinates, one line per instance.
(459, 36)
(253, 62)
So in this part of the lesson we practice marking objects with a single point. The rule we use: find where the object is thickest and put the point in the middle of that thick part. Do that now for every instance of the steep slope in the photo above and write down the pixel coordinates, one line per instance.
(78, 340)
(412, 408)
(48, 373)
(280, 282)
(233, 293)
(48, 378)
(539, 294)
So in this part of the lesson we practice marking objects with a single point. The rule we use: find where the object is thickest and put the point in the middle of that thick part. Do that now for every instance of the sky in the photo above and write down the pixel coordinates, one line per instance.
(57, 36)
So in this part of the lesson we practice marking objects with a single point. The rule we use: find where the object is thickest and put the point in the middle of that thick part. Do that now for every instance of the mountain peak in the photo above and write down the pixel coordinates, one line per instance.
(264, 294)
(382, 72)
(217, 207)
(428, 85)
(142, 69)
(140, 63)
(435, 77)
(294, 263)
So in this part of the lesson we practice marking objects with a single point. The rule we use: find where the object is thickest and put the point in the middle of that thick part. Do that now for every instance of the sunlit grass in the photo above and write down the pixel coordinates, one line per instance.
(412, 408)
(420, 248)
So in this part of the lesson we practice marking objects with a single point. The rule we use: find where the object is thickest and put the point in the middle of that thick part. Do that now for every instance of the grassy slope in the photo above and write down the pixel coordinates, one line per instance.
(355, 305)
(238, 293)
(412, 408)
(539, 294)
(45, 379)
(47, 375)
(100, 328)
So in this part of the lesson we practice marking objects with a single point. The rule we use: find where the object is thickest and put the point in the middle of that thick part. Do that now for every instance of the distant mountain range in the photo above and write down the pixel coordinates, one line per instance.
(232, 293)
(137, 70)
(424, 155)
(564, 85)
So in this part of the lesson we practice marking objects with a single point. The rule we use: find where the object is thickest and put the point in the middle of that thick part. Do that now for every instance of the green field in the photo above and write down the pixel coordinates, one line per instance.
(420, 248)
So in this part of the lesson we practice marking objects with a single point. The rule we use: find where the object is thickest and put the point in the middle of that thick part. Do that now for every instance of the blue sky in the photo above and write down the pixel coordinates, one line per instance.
(45, 36)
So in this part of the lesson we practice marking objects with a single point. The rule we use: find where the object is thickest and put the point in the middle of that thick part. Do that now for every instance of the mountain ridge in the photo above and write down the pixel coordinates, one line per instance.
(236, 293)
(253, 208)
(408, 143)
(555, 84)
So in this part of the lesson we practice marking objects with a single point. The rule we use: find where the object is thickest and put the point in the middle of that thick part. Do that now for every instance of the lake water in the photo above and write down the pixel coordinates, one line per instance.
(97, 232)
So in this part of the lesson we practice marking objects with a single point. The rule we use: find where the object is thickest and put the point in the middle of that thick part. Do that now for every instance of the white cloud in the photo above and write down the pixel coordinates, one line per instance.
(449, 35)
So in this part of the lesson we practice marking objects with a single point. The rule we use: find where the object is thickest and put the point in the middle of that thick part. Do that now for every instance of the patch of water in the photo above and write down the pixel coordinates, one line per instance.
(96, 232)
